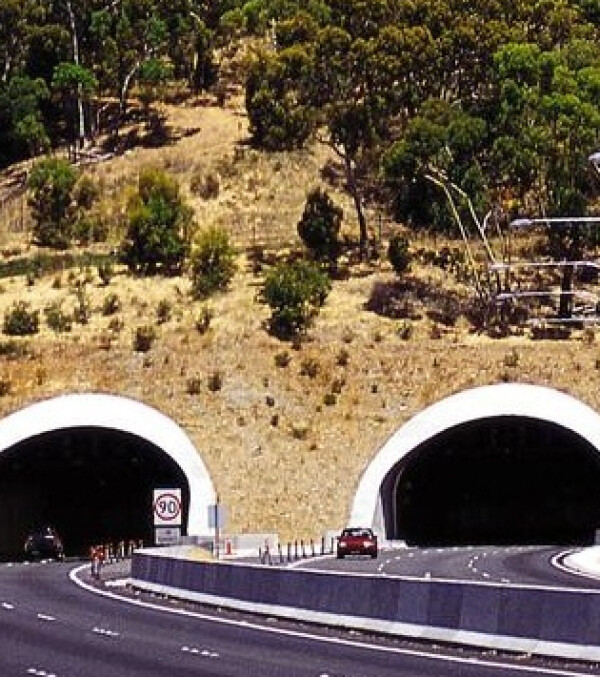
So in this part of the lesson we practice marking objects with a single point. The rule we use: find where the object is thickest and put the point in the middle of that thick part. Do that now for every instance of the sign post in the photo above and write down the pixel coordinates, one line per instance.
(166, 510)
(216, 521)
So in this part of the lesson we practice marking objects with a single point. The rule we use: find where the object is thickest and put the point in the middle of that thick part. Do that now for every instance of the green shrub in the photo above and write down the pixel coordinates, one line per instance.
(212, 264)
(194, 385)
(282, 359)
(159, 226)
(310, 367)
(83, 307)
(164, 311)
(56, 318)
(398, 254)
(111, 304)
(215, 381)
(295, 292)
(342, 358)
(14, 350)
(405, 330)
(205, 184)
(319, 226)
(116, 324)
(329, 399)
(106, 272)
(143, 338)
(5, 386)
(278, 120)
(204, 319)
(51, 182)
(20, 320)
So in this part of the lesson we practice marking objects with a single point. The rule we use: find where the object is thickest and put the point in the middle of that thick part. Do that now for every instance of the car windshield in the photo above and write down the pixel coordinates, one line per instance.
(357, 533)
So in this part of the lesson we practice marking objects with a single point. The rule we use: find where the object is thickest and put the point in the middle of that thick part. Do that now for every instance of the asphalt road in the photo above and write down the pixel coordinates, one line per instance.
(517, 565)
(51, 627)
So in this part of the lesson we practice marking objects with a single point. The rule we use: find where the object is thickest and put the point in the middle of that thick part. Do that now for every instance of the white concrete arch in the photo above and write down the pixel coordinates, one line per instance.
(505, 399)
(122, 414)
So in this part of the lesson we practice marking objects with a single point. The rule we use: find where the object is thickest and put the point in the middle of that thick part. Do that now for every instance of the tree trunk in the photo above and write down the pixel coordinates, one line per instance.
(360, 214)
(80, 112)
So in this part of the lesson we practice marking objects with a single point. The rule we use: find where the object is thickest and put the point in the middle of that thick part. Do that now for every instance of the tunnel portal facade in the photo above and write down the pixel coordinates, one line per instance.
(88, 464)
(503, 464)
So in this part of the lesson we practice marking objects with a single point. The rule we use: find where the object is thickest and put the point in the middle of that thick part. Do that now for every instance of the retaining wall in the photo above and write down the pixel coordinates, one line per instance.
(547, 621)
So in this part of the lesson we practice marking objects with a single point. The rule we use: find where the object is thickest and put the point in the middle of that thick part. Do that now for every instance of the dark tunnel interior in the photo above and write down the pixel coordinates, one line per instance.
(496, 481)
(93, 485)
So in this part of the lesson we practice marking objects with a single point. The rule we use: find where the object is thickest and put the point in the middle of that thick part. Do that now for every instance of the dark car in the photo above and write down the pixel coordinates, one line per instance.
(43, 544)
(357, 541)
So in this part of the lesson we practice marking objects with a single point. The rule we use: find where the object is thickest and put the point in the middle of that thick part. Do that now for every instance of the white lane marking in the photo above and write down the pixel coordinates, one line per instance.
(105, 632)
(200, 652)
(8, 606)
(46, 617)
(558, 562)
(40, 673)
(339, 641)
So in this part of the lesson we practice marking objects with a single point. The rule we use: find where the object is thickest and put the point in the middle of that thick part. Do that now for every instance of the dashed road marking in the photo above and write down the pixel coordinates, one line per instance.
(105, 632)
(8, 606)
(46, 617)
(200, 652)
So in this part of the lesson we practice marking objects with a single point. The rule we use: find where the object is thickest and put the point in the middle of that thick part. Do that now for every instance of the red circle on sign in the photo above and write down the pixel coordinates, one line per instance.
(167, 499)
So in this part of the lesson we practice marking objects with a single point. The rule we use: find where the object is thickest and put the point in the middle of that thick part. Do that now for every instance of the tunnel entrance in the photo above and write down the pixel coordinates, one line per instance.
(94, 485)
(499, 480)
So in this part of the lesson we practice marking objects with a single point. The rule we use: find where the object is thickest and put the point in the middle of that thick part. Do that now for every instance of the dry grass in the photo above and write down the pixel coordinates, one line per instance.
(285, 444)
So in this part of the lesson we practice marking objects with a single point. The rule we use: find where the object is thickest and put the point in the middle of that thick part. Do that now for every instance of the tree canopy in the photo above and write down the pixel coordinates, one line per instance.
(502, 99)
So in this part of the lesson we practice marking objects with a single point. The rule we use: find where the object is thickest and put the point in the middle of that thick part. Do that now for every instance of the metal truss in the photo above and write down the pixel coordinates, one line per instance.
(535, 292)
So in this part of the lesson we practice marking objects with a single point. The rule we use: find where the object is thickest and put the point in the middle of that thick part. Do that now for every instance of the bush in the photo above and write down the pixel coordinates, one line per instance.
(215, 381)
(295, 292)
(212, 264)
(277, 118)
(204, 319)
(56, 318)
(111, 305)
(319, 226)
(159, 226)
(282, 360)
(143, 339)
(205, 185)
(310, 367)
(20, 320)
(164, 311)
(398, 254)
(342, 358)
(194, 385)
(83, 308)
(105, 272)
(52, 182)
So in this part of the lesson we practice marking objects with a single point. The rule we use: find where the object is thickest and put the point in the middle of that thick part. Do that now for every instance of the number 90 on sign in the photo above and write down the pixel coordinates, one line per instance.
(167, 507)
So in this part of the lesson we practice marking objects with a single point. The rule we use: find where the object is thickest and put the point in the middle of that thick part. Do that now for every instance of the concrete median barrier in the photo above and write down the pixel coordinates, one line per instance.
(546, 621)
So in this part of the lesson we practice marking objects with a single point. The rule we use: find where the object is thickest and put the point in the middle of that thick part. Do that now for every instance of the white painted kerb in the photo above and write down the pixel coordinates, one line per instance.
(124, 414)
(505, 399)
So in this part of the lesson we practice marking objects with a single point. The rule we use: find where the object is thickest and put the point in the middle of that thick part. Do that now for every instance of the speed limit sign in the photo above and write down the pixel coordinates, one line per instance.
(166, 507)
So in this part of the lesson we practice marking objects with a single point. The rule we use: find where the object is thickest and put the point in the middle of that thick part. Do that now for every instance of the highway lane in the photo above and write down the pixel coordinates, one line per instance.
(50, 627)
(517, 565)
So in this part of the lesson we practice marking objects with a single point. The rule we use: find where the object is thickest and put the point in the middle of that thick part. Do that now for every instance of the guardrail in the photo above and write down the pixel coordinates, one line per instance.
(545, 621)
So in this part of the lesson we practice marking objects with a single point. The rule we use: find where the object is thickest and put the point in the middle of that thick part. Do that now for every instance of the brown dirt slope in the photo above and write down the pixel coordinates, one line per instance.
(285, 445)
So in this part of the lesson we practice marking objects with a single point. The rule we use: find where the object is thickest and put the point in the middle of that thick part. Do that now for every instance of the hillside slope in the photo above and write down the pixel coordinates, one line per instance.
(285, 445)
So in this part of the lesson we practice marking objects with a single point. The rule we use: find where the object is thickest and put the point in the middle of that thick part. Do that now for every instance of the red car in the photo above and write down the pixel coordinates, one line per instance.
(357, 541)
